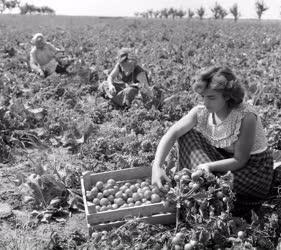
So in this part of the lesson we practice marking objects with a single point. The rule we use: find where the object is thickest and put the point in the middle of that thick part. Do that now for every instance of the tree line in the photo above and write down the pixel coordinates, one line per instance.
(24, 8)
(218, 12)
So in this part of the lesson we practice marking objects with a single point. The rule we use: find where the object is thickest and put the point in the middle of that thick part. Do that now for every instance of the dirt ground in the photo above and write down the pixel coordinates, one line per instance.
(17, 227)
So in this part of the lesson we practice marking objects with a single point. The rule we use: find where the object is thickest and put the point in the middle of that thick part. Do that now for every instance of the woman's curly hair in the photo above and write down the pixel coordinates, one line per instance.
(223, 80)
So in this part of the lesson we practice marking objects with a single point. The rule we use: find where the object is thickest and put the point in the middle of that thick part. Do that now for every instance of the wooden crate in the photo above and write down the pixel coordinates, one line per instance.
(155, 213)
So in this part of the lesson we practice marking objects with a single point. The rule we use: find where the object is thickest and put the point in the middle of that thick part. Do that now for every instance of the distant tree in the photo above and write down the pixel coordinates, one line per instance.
(136, 14)
(190, 13)
(47, 10)
(222, 13)
(260, 8)
(150, 13)
(181, 13)
(25, 9)
(164, 13)
(234, 11)
(216, 10)
(12, 4)
(144, 15)
(31, 9)
(156, 13)
(2, 6)
(200, 12)
(172, 12)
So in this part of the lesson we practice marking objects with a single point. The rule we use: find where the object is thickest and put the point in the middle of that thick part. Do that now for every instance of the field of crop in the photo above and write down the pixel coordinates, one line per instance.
(54, 129)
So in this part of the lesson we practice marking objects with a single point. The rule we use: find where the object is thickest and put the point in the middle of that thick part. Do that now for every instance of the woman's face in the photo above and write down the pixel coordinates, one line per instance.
(40, 42)
(214, 100)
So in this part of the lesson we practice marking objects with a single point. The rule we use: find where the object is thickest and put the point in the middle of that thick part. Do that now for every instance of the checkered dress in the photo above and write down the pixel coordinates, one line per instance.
(251, 183)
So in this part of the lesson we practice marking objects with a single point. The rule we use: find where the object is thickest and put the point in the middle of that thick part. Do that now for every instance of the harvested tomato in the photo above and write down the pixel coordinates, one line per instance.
(177, 241)
(106, 192)
(188, 246)
(129, 192)
(123, 188)
(220, 194)
(176, 177)
(124, 196)
(196, 175)
(114, 206)
(138, 203)
(155, 190)
(241, 235)
(100, 195)
(96, 201)
(180, 235)
(119, 201)
(94, 191)
(145, 188)
(99, 185)
(104, 202)
(119, 194)
(144, 184)
(147, 194)
(127, 184)
(111, 182)
(103, 208)
(185, 178)
(133, 188)
(136, 197)
(177, 247)
(155, 198)
(111, 198)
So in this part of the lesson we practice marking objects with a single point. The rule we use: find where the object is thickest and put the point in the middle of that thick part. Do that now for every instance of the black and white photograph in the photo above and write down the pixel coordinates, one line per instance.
(140, 125)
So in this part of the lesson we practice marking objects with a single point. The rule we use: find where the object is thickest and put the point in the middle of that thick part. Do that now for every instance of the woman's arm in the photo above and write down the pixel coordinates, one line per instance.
(54, 49)
(177, 130)
(142, 79)
(113, 74)
(242, 147)
(34, 65)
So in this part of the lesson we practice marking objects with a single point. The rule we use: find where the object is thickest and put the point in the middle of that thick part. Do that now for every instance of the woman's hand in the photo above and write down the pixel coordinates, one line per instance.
(204, 167)
(157, 175)
(111, 90)
(135, 85)
(41, 73)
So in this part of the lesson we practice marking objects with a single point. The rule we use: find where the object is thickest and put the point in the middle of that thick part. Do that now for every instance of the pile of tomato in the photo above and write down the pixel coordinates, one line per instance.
(203, 194)
(111, 194)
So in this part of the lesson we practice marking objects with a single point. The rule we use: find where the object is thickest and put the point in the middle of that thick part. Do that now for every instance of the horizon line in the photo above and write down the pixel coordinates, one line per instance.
(113, 16)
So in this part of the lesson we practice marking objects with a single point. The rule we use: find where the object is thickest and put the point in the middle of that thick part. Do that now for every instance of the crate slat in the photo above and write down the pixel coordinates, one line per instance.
(90, 179)
(143, 210)
(84, 196)
(164, 219)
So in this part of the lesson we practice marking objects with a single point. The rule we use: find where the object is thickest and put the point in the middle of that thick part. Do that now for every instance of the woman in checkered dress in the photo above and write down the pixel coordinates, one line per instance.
(224, 134)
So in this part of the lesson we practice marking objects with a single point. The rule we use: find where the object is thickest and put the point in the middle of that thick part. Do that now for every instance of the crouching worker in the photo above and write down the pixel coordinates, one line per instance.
(43, 57)
(225, 134)
(125, 81)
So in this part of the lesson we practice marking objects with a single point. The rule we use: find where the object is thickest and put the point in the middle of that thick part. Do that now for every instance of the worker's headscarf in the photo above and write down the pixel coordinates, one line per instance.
(126, 54)
(37, 37)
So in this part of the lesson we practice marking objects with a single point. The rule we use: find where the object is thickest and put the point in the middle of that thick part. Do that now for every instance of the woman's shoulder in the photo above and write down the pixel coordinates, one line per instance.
(246, 108)
(139, 69)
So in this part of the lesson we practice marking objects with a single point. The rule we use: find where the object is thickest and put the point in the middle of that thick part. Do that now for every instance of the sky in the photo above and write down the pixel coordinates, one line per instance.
(129, 7)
